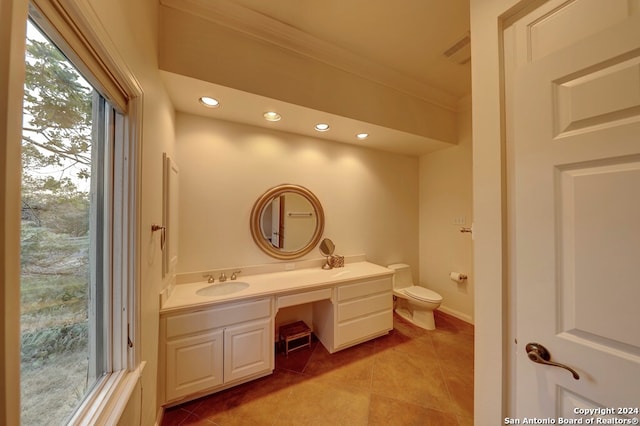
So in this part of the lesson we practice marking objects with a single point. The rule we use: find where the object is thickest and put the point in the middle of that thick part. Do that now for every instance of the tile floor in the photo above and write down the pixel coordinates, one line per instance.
(409, 377)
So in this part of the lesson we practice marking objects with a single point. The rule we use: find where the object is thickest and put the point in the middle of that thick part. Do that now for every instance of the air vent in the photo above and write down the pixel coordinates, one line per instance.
(460, 52)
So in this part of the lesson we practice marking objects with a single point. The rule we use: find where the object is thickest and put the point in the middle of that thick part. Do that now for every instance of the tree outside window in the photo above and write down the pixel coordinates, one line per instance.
(58, 159)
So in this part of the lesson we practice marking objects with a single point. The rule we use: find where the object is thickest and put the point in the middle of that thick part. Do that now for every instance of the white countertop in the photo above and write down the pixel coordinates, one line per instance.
(273, 283)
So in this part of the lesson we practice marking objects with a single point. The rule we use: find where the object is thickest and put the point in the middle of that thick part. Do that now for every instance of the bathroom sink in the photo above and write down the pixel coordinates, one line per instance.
(222, 289)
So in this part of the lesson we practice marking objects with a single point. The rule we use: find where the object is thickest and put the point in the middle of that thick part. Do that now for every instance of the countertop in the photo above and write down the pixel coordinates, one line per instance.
(269, 284)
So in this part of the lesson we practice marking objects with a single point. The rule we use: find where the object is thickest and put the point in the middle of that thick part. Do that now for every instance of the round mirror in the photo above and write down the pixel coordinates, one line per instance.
(287, 221)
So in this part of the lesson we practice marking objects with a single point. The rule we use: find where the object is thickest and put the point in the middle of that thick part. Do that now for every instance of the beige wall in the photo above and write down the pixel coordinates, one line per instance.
(234, 59)
(446, 195)
(370, 198)
(135, 40)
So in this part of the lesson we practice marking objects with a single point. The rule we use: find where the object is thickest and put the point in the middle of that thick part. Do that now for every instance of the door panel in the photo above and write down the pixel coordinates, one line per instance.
(569, 403)
(599, 246)
(576, 205)
(194, 364)
(559, 24)
(248, 349)
(615, 84)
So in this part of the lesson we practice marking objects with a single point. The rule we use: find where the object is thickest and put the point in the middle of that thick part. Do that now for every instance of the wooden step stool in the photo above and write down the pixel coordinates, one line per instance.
(295, 336)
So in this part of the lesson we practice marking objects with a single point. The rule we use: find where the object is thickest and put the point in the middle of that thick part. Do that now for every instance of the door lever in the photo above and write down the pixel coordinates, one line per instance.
(539, 354)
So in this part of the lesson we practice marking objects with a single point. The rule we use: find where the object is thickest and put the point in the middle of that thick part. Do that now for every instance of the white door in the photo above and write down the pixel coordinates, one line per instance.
(574, 98)
(276, 222)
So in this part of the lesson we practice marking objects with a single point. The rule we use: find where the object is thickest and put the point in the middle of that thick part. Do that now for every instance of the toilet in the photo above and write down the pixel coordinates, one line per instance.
(413, 303)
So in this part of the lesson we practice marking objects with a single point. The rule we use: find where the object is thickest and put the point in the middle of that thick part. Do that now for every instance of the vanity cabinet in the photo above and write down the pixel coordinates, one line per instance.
(207, 345)
(216, 347)
(359, 311)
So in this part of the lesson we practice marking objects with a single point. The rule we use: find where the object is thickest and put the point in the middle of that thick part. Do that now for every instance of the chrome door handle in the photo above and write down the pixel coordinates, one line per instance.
(539, 354)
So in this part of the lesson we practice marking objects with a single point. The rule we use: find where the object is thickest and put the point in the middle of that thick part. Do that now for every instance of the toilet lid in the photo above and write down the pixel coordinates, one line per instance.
(422, 293)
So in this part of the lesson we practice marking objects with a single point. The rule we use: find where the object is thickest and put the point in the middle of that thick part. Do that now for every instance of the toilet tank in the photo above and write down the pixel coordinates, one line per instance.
(402, 277)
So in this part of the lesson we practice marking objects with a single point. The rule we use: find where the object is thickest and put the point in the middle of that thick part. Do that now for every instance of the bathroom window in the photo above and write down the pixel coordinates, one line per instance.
(76, 245)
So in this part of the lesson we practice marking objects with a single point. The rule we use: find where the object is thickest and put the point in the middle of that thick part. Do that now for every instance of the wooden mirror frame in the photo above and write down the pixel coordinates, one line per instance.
(256, 218)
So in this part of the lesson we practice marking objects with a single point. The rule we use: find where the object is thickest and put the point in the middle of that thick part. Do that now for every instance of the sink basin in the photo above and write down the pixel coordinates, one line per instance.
(222, 289)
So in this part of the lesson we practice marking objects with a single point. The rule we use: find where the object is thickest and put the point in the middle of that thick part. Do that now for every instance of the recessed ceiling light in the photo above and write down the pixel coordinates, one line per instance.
(362, 135)
(272, 116)
(209, 102)
(322, 127)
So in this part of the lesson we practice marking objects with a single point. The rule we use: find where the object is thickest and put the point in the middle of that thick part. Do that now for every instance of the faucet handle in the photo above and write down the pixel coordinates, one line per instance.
(209, 278)
(235, 275)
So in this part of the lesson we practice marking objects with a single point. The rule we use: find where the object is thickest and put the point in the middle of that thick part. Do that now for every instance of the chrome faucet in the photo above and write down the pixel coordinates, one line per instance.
(222, 278)
(209, 278)
(235, 275)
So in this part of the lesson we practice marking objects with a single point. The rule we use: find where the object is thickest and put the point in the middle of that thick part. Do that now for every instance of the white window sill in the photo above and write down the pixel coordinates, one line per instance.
(106, 403)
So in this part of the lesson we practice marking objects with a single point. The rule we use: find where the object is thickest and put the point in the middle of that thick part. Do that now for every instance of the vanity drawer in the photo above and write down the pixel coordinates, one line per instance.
(365, 288)
(360, 329)
(303, 297)
(216, 317)
(364, 306)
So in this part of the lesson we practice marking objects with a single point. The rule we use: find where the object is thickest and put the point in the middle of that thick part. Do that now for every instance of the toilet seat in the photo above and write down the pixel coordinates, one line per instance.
(423, 294)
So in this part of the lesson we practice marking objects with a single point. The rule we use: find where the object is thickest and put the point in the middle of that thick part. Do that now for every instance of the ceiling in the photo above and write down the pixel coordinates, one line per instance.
(419, 48)
(409, 36)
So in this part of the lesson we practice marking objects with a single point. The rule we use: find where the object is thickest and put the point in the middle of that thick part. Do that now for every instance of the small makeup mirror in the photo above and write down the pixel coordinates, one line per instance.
(327, 248)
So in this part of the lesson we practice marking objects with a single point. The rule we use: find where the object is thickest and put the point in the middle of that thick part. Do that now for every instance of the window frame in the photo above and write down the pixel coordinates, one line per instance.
(77, 31)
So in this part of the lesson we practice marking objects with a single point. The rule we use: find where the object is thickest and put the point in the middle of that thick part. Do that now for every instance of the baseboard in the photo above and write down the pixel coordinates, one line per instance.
(159, 416)
(464, 317)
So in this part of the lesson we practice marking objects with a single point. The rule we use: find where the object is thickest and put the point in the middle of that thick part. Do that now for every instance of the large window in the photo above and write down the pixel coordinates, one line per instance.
(75, 253)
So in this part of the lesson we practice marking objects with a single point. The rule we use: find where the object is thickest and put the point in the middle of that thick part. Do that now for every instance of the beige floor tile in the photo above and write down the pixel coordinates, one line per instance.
(465, 421)
(406, 328)
(390, 412)
(461, 391)
(318, 402)
(409, 377)
(174, 416)
(351, 367)
(296, 360)
(449, 324)
(454, 349)
(408, 338)
(260, 398)
(196, 421)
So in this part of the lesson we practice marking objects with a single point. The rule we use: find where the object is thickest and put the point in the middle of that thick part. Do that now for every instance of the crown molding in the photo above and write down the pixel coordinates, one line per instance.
(272, 31)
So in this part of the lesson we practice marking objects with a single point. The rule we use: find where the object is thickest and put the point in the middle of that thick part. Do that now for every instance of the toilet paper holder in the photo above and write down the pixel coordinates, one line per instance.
(457, 277)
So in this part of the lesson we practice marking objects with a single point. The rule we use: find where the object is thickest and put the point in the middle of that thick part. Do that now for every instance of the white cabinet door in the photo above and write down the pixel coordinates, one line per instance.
(248, 349)
(194, 364)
